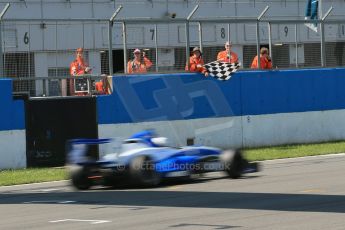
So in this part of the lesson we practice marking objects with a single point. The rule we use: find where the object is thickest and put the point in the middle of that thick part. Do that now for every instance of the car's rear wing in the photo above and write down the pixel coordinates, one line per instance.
(77, 149)
(90, 141)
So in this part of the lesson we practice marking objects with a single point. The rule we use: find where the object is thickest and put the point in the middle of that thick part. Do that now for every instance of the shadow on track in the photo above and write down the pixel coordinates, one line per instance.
(186, 199)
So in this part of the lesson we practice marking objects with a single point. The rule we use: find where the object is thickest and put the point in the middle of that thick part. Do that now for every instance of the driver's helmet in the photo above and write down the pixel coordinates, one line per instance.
(146, 136)
(150, 138)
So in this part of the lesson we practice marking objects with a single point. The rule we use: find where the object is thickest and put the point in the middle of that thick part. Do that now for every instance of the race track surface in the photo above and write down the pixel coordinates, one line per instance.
(304, 193)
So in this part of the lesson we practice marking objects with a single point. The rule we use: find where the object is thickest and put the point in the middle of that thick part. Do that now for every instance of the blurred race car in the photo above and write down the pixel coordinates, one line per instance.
(145, 160)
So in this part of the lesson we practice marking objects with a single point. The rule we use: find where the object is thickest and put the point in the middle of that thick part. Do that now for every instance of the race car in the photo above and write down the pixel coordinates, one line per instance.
(145, 160)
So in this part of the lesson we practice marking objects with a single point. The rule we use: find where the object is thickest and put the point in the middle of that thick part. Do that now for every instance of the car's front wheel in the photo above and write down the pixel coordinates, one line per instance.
(233, 162)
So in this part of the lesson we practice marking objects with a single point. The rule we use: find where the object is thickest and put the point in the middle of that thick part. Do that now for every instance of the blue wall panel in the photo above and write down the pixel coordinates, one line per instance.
(293, 91)
(168, 97)
(12, 115)
(189, 96)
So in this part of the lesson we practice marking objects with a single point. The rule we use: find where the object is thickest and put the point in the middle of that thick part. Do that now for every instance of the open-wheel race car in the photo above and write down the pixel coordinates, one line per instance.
(145, 160)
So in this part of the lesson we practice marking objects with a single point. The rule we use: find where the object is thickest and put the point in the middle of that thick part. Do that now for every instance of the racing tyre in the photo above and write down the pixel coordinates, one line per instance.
(143, 172)
(233, 162)
(79, 177)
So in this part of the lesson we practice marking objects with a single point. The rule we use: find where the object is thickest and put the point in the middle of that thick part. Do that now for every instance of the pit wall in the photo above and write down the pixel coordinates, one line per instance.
(253, 108)
(12, 128)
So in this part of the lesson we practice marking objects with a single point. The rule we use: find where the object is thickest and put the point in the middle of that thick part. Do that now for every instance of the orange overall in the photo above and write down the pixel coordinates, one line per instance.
(264, 62)
(224, 57)
(135, 66)
(196, 65)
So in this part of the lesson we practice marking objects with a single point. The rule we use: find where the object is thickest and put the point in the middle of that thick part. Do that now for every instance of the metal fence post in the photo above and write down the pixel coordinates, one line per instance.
(322, 35)
(229, 33)
(270, 40)
(187, 45)
(258, 44)
(2, 14)
(56, 55)
(110, 39)
(296, 45)
(110, 47)
(187, 35)
(156, 47)
(258, 35)
(200, 37)
(124, 46)
(322, 31)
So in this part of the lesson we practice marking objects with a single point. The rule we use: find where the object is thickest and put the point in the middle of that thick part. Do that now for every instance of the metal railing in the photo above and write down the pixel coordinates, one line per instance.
(61, 86)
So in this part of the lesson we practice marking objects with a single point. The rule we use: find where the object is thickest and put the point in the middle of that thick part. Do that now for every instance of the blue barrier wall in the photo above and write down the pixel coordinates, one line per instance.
(188, 96)
(12, 115)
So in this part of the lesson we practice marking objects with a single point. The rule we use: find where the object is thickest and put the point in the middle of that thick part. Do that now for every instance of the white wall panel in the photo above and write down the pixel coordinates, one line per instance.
(247, 131)
(13, 149)
(220, 132)
(289, 128)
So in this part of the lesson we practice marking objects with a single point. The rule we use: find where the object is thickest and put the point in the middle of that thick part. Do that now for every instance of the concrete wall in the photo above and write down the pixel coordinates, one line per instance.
(242, 131)
(12, 149)
(253, 108)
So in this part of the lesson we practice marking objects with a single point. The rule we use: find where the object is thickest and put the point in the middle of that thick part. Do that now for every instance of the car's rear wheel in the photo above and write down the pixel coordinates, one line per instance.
(143, 173)
(80, 177)
(233, 163)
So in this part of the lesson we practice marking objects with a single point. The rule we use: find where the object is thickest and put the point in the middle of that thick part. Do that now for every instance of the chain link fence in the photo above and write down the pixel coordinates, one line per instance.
(38, 54)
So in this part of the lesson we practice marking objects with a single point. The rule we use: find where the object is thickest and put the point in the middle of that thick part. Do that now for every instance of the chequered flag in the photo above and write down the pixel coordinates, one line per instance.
(222, 70)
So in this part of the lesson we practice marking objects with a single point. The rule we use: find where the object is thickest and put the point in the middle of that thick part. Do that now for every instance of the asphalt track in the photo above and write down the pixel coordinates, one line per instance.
(304, 193)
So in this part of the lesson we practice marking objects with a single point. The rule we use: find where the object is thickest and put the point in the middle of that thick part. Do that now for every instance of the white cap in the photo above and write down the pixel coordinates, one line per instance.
(228, 43)
(136, 51)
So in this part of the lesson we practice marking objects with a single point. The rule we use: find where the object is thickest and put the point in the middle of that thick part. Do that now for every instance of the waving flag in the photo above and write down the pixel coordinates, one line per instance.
(222, 70)
(311, 12)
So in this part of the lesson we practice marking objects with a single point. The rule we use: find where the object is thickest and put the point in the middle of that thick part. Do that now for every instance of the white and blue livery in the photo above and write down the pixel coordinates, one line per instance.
(145, 160)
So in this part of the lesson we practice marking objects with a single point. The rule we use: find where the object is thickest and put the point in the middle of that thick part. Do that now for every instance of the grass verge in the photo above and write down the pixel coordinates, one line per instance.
(33, 175)
(291, 151)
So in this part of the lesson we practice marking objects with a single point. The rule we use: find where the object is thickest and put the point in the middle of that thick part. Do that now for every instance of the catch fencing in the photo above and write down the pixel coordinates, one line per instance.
(37, 53)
